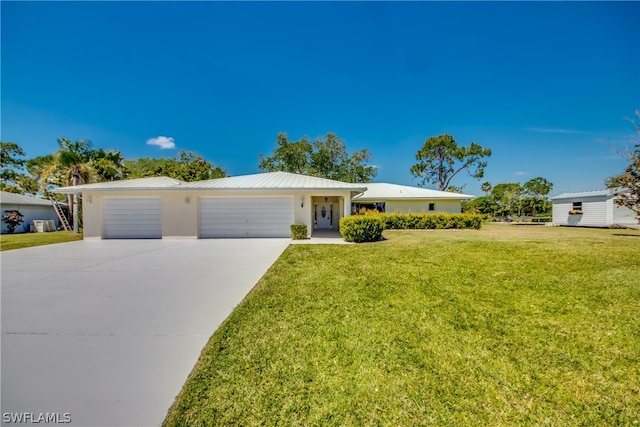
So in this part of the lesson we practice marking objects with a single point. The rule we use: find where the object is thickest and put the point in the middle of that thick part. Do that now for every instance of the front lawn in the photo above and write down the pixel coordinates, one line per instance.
(507, 325)
(25, 240)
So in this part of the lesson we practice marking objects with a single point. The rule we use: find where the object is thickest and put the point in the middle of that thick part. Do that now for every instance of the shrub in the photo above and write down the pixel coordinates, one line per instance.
(424, 221)
(298, 231)
(13, 219)
(362, 228)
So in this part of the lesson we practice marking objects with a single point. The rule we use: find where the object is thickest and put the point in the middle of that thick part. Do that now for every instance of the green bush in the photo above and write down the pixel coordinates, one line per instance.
(298, 231)
(362, 228)
(424, 221)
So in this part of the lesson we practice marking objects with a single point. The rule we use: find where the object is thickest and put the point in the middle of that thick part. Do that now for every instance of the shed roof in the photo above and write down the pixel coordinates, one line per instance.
(385, 191)
(586, 194)
(7, 198)
(275, 181)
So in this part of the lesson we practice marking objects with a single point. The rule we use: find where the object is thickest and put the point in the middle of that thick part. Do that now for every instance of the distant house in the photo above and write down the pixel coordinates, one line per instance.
(30, 207)
(404, 199)
(591, 209)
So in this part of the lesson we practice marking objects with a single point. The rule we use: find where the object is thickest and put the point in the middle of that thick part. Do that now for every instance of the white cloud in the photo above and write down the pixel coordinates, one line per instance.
(520, 173)
(549, 130)
(164, 142)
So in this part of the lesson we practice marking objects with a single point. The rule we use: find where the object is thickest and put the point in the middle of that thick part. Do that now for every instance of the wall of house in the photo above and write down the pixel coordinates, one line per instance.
(594, 212)
(180, 208)
(30, 213)
(418, 206)
(180, 215)
(92, 207)
(622, 215)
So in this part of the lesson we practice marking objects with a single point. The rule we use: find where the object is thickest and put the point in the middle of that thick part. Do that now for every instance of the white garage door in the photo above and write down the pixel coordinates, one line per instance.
(132, 218)
(246, 216)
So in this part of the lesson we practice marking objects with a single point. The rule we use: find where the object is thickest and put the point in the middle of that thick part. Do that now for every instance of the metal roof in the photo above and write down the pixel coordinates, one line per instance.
(385, 191)
(585, 194)
(7, 198)
(260, 181)
(274, 181)
(151, 183)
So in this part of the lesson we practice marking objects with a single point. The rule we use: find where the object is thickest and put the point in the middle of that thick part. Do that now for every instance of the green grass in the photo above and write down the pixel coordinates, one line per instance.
(26, 240)
(505, 326)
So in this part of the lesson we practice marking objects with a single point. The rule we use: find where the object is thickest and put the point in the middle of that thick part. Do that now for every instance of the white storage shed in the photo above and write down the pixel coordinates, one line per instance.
(591, 209)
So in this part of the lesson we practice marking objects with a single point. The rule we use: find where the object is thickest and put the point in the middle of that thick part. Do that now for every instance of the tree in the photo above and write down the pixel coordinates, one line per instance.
(440, 160)
(11, 166)
(35, 167)
(482, 205)
(326, 158)
(538, 188)
(628, 182)
(71, 165)
(486, 187)
(108, 165)
(455, 189)
(532, 205)
(294, 157)
(507, 198)
(186, 167)
(192, 167)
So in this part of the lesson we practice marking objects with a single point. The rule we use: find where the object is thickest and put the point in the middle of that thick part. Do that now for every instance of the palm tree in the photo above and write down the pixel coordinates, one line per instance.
(486, 187)
(71, 165)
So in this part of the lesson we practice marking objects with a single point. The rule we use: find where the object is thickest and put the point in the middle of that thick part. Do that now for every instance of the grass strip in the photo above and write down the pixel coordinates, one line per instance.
(26, 240)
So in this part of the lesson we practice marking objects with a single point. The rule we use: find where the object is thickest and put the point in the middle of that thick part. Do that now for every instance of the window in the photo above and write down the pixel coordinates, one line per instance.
(432, 206)
(576, 208)
(358, 208)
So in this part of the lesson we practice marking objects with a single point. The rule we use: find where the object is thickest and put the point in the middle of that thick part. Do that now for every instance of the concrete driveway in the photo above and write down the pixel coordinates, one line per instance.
(105, 333)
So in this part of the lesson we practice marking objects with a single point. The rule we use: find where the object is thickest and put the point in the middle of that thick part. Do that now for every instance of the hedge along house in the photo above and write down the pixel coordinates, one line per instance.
(259, 205)
(392, 198)
(591, 209)
(30, 207)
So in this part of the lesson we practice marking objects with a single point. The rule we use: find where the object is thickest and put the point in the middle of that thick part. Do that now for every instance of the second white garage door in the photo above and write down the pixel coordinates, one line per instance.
(246, 216)
(132, 218)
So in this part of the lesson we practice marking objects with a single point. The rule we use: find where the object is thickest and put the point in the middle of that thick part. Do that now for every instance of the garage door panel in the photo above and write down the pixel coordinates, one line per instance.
(132, 218)
(246, 216)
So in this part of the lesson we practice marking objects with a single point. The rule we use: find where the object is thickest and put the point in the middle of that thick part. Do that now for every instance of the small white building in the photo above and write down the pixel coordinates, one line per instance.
(30, 207)
(591, 209)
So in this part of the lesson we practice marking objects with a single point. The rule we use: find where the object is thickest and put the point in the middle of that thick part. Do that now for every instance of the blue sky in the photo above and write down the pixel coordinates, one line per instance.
(545, 85)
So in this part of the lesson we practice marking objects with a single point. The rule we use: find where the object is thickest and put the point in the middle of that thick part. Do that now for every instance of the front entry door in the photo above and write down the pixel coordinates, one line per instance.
(324, 215)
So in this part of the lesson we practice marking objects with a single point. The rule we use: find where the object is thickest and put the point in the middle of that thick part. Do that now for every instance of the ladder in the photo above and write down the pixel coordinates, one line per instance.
(63, 219)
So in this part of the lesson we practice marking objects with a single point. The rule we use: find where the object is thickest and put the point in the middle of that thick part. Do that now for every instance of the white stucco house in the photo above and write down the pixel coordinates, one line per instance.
(258, 205)
(591, 209)
(30, 207)
(392, 198)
